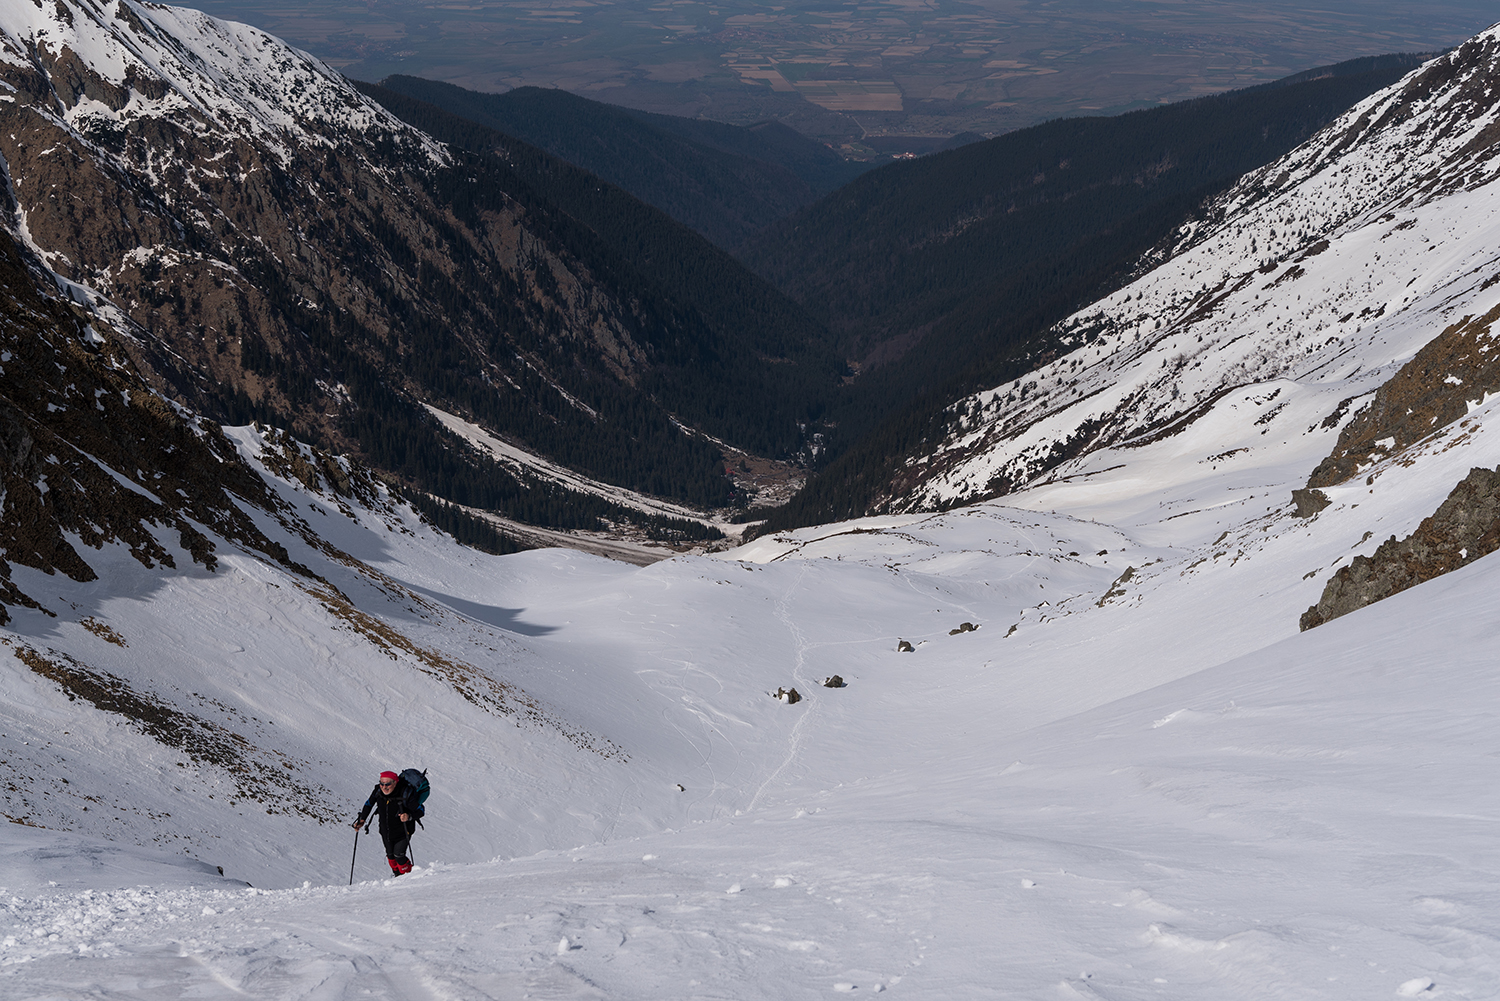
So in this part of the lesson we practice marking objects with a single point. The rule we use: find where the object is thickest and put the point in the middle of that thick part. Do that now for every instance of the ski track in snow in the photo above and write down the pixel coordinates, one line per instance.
(799, 661)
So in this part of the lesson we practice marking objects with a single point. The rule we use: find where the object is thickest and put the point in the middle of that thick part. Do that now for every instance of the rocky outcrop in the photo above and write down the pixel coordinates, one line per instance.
(1465, 528)
(1308, 502)
(90, 456)
(1459, 367)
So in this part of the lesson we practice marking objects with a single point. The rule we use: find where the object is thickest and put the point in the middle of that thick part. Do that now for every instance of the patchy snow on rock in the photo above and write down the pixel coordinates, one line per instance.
(131, 60)
(524, 462)
(1305, 286)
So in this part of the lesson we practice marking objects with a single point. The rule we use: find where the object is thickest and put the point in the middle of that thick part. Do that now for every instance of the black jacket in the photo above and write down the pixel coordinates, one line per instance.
(389, 806)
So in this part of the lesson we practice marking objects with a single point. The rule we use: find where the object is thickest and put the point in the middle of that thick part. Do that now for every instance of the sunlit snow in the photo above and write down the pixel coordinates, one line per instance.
(1134, 779)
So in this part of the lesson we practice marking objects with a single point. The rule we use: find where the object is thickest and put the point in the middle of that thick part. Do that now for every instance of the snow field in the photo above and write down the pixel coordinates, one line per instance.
(1328, 269)
(1135, 779)
(1313, 820)
(988, 815)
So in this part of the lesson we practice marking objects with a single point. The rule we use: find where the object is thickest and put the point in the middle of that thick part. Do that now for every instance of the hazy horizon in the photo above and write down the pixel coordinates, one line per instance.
(931, 67)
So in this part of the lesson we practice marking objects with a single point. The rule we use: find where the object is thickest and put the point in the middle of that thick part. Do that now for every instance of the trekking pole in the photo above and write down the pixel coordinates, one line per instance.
(352, 857)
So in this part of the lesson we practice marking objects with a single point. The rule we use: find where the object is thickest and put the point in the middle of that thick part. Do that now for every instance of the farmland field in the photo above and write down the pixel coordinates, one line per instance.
(867, 67)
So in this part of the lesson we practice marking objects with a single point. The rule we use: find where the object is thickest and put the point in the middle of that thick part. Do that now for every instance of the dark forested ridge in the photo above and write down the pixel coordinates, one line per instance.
(908, 244)
(755, 368)
(815, 164)
(957, 264)
(725, 181)
(470, 315)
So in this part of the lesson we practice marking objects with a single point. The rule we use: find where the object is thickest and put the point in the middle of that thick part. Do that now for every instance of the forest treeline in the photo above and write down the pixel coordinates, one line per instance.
(750, 365)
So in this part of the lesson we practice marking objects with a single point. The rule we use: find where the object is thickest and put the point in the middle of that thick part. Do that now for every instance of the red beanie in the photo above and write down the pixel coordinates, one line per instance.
(389, 775)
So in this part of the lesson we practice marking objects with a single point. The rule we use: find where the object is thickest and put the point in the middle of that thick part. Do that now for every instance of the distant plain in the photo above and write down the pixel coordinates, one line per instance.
(839, 71)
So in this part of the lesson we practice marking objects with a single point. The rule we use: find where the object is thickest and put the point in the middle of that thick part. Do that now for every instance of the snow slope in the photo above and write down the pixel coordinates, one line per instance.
(1134, 779)
(155, 61)
(1167, 792)
(1190, 812)
(1317, 276)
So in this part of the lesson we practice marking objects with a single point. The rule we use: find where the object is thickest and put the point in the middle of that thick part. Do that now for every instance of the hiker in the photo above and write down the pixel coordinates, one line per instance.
(396, 802)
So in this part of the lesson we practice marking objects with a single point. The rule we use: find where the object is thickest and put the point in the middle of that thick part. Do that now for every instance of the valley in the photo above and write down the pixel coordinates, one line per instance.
(1069, 720)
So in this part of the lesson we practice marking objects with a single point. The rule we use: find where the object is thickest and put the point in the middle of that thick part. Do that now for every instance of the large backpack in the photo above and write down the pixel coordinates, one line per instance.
(418, 781)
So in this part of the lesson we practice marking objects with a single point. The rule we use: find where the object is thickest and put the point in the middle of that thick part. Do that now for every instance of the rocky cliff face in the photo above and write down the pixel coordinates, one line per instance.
(1464, 528)
(276, 246)
(1452, 372)
(89, 455)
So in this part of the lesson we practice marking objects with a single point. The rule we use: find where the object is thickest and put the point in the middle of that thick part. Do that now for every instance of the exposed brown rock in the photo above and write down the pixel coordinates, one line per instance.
(1117, 589)
(1464, 528)
(1431, 391)
(262, 284)
(1309, 502)
(87, 451)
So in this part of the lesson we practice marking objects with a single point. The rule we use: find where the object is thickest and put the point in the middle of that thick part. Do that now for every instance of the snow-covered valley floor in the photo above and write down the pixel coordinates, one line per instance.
(1154, 788)
(1082, 750)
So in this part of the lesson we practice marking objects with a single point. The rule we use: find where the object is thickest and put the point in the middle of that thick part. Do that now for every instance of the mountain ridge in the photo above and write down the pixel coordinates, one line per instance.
(1083, 712)
(725, 181)
(1425, 143)
(272, 246)
(933, 448)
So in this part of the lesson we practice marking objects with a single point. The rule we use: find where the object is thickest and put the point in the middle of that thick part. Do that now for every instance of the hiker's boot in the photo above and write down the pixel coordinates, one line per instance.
(402, 866)
(396, 869)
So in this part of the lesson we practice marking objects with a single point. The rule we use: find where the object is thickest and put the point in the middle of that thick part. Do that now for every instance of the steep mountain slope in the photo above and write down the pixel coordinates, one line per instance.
(813, 162)
(1256, 830)
(725, 181)
(1316, 278)
(279, 247)
(89, 456)
(1135, 765)
(1131, 761)
(956, 264)
(143, 548)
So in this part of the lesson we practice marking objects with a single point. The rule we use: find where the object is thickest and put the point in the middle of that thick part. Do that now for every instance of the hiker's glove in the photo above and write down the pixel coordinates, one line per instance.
(357, 821)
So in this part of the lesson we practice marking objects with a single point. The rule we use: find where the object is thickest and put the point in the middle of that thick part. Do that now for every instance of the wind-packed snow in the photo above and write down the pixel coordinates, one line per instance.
(1134, 779)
